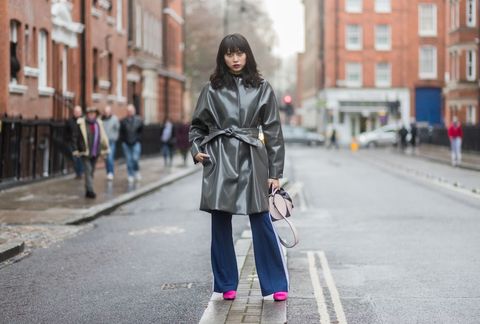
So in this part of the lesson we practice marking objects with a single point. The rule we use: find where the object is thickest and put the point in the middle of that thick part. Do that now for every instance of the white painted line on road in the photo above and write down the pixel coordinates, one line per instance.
(317, 289)
(337, 304)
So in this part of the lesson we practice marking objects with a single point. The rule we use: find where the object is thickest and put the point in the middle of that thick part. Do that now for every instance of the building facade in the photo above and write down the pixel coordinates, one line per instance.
(91, 53)
(462, 88)
(374, 62)
(41, 52)
(155, 64)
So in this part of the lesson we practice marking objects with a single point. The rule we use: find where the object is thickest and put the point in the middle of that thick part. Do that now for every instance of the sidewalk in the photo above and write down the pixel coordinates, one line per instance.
(441, 154)
(54, 204)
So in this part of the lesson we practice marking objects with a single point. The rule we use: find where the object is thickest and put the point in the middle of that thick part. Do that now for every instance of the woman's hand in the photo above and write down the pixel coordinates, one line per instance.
(274, 183)
(201, 157)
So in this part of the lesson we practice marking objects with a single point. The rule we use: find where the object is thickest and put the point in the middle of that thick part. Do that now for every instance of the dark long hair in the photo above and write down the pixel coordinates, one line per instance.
(222, 77)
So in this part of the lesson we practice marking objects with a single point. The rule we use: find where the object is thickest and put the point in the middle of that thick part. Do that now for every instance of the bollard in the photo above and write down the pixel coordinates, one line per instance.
(354, 145)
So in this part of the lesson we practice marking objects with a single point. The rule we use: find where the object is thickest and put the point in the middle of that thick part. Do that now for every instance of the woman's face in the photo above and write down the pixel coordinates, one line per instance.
(235, 61)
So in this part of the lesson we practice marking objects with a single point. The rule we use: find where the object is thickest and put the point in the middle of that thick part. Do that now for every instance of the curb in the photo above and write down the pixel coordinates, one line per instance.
(10, 249)
(443, 161)
(109, 206)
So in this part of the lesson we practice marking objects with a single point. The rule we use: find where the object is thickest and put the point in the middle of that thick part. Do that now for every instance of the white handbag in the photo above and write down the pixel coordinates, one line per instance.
(280, 207)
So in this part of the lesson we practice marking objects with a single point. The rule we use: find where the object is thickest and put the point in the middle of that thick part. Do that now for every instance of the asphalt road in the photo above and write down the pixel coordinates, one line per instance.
(378, 245)
(400, 248)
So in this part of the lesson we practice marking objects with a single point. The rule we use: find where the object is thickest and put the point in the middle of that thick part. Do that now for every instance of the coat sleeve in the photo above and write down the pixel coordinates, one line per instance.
(198, 127)
(272, 132)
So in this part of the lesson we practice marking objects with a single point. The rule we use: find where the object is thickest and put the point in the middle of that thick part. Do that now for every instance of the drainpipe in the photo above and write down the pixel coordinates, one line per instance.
(4, 58)
(165, 58)
(83, 56)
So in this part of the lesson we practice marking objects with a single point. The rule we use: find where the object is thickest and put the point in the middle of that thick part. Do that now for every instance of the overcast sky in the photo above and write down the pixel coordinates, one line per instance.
(288, 20)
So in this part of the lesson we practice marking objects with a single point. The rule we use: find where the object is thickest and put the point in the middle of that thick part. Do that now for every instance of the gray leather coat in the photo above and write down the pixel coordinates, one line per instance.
(225, 125)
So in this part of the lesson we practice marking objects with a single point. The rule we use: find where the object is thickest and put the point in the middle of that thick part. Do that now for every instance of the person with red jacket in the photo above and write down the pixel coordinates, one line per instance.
(455, 134)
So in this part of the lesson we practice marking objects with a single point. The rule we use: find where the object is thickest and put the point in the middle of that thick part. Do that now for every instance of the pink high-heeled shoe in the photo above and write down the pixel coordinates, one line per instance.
(280, 296)
(229, 295)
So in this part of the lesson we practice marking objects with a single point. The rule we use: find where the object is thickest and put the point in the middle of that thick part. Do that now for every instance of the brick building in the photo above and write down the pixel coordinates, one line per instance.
(461, 90)
(372, 62)
(155, 64)
(60, 53)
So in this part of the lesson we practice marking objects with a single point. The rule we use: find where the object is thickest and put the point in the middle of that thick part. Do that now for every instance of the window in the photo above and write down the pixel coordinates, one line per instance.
(15, 65)
(354, 6)
(42, 59)
(383, 37)
(383, 6)
(353, 74)
(471, 13)
(119, 15)
(119, 80)
(471, 114)
(353, 37)
(138, 26)
(95, 70)
(428, 62)
(471, 65)
(383, 74)
(427, 16)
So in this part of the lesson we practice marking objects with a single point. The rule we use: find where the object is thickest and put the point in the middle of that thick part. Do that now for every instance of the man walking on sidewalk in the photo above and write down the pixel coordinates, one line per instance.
(131, 128)
(89, 143)
(455, 134)
(112, 129)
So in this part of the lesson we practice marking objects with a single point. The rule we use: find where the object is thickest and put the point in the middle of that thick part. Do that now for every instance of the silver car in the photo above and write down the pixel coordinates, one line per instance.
(299, 135)
(383, 136)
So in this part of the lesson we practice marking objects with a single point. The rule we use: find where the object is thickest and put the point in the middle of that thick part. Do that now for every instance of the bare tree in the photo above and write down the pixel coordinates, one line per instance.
(205, 27)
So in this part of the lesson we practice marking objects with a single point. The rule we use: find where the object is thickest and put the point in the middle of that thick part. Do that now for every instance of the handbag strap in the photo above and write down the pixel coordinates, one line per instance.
(294, 232)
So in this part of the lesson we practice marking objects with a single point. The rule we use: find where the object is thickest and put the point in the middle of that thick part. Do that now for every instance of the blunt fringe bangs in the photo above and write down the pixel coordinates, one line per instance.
(222, 77)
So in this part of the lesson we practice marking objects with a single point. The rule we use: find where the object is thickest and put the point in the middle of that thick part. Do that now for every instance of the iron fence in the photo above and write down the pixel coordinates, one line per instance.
(439, 136)
(35, 149)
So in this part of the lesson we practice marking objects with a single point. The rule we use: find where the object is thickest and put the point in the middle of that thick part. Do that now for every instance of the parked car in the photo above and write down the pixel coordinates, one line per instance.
(299, 135)
(383, 136)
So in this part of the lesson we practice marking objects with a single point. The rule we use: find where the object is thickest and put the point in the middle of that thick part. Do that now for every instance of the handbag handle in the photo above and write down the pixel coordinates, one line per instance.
(290, 224)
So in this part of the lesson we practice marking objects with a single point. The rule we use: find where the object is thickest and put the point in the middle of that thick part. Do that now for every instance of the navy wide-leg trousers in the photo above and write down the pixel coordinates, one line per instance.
(269, 261)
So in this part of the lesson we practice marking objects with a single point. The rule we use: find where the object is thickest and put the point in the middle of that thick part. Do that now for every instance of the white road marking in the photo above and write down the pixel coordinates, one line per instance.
(317, 289)
(167, 230)
(337, 304)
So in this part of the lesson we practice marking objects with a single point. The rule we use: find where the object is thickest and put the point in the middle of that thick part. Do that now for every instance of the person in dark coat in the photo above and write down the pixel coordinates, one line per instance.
(239, 168)
(403, 132)
(181, 139)
(131, 128)
(413, 133)
(71, 128)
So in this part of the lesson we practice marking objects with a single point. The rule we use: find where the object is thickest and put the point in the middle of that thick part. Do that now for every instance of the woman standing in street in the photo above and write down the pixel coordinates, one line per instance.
(238, 167)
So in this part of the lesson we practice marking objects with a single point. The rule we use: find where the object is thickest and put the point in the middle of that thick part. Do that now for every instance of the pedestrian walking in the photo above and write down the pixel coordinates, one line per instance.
(333, 139)
(90, 142)
(455, 134)
(71, 128)
(112, 129)
(131, 128)
(403, 133)
(414, 134)
(181, 139)
(168, 141)
(238, 168)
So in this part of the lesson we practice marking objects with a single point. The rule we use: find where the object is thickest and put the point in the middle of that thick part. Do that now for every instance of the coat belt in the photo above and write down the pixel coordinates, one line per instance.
(247, 135)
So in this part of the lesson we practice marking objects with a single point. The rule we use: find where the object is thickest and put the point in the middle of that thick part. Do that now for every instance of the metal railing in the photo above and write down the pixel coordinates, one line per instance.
(35, 149)
(439, 136)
